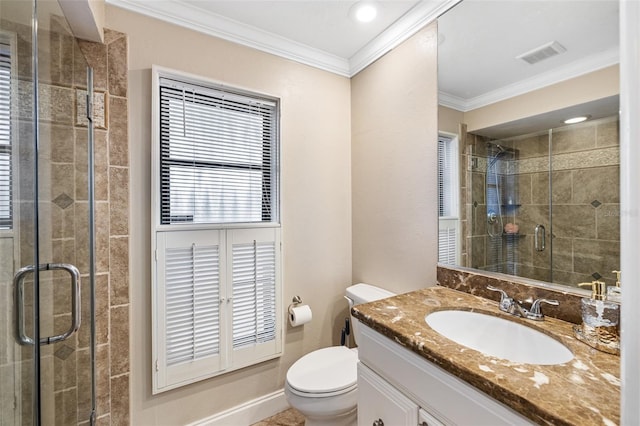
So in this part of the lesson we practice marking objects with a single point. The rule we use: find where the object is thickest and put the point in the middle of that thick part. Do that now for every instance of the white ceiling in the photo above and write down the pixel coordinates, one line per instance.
(314, 32)
(478, 39)
(323, 25)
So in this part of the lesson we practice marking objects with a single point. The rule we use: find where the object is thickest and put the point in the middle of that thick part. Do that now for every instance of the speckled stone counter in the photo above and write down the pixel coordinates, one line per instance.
(584, 391)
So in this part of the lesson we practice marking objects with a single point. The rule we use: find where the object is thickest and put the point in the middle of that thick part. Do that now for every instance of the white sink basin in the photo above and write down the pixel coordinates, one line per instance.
(499, 337)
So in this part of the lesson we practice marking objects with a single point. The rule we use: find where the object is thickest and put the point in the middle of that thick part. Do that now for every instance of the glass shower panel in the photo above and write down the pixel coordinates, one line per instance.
(47, 350)
(545, 205)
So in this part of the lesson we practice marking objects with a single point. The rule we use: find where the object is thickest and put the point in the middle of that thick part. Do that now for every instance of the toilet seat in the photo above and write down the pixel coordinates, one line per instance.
(325, 372)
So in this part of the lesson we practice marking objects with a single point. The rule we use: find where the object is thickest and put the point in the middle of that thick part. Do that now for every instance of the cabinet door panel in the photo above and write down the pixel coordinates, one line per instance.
(380, 404)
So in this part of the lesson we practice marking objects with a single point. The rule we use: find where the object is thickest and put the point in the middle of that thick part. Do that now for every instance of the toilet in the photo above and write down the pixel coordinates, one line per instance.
(322, 385)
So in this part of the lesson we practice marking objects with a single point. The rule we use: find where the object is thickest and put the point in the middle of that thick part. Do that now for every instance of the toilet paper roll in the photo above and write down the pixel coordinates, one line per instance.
(300, 315)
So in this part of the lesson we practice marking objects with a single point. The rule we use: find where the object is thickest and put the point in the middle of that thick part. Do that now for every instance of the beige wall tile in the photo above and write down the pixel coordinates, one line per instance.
(95, 56)
(572, 221)
(119, 200)
(118, 132)
(597, 256)
(102, 237)
(118, 67)
(119, 275)
(608, 134)
(608, 222)
(119, 340)
(120, 406)
(101, 158)
(600, 183)
(66, 407)
(573, 139)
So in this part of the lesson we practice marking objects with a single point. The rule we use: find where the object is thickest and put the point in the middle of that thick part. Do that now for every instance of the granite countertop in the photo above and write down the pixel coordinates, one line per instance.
(584, 391)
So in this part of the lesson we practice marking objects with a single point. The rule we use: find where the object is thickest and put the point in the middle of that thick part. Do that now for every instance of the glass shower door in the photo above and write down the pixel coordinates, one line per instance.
(47, 351)
(545, 205)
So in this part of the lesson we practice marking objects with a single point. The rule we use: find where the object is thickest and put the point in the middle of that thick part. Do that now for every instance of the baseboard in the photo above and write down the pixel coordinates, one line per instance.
(248, 413)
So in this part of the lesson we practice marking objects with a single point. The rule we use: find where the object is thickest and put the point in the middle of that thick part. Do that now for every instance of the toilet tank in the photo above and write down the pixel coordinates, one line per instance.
(363, 293)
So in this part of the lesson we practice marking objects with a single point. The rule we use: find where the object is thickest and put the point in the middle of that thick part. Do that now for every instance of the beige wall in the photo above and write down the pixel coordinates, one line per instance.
(596, 85)
(316, 204)
(449, 119)
(394, 134)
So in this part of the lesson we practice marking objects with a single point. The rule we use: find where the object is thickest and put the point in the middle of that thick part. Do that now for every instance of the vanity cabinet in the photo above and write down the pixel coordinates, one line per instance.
(381, 404)
(395, 385)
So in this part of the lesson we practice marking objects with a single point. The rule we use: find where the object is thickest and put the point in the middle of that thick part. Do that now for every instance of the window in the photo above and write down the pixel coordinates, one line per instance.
(448, 196)
(6, 205)
(216, 232)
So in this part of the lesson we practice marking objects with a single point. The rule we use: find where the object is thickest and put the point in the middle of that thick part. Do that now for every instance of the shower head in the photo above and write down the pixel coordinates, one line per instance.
(500, 148)
(496, 156)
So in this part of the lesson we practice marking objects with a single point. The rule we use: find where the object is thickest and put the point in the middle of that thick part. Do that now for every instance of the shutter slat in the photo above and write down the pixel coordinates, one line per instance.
(253, 293)
(192, 311)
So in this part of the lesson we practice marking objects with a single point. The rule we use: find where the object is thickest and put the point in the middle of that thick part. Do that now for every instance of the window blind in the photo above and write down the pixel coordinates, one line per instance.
(218, 155)
(6, 218)
(447, 170)
(254, 293)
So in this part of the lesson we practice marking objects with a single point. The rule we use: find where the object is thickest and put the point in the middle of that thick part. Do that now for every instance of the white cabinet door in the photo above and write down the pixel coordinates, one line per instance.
(380, 404)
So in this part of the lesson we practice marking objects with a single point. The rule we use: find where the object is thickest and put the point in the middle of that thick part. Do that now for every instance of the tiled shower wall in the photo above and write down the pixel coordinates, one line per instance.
(63, 227)
(584, 233)
(109, 63)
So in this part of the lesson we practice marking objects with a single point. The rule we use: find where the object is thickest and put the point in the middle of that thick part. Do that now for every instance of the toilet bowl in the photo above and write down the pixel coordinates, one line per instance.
(322, 385)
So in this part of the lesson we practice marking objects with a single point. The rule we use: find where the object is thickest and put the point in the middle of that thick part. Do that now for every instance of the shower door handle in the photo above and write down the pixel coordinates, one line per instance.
(18, 292)
(539, 243)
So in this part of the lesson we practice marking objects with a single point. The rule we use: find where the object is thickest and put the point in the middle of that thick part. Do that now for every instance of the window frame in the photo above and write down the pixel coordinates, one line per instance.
(446, 223)
(156, 201)
(231, 359)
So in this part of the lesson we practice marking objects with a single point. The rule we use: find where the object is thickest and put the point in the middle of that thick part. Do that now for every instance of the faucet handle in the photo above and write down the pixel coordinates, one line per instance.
(535, 313)
(506, 302)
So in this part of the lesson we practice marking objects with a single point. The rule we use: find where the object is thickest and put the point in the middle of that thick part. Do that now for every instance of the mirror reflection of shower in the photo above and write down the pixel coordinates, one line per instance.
(499, 167)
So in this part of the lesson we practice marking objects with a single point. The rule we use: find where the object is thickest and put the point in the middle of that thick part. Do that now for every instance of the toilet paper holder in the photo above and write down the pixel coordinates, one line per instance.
(297, 300)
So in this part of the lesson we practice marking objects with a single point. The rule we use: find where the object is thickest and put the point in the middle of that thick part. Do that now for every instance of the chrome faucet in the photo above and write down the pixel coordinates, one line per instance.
(509, 305)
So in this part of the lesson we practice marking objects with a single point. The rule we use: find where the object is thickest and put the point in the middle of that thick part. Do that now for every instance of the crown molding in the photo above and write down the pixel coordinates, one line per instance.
(192, 17)
(189, 16)
(413, 21)
(575, 69)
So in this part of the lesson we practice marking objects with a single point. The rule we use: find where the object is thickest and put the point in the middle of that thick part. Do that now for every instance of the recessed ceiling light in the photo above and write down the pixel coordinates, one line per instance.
(364, 11)
(575, 120)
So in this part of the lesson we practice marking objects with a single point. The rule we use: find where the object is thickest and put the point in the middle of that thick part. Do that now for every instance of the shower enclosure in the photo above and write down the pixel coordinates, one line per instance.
(545, 205)
(47, 357)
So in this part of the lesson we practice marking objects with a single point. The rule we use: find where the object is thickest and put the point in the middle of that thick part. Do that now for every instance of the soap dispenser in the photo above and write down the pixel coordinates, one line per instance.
(614, 294)
(600, 319)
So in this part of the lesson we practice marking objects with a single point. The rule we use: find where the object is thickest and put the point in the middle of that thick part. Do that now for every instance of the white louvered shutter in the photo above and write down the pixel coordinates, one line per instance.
(254, 271)
(189, 310)
(448, 241)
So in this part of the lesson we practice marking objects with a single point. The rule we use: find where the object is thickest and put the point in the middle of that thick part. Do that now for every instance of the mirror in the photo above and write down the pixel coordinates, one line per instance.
(521, 192)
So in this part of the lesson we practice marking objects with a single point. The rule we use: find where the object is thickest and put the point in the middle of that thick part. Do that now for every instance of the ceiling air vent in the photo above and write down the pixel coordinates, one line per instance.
(543, 52)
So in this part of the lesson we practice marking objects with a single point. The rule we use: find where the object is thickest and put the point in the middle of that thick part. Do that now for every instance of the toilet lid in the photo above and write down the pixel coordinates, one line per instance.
(324, 370)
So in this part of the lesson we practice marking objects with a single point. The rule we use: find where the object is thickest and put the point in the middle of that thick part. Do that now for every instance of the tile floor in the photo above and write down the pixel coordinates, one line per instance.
(290, 417)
